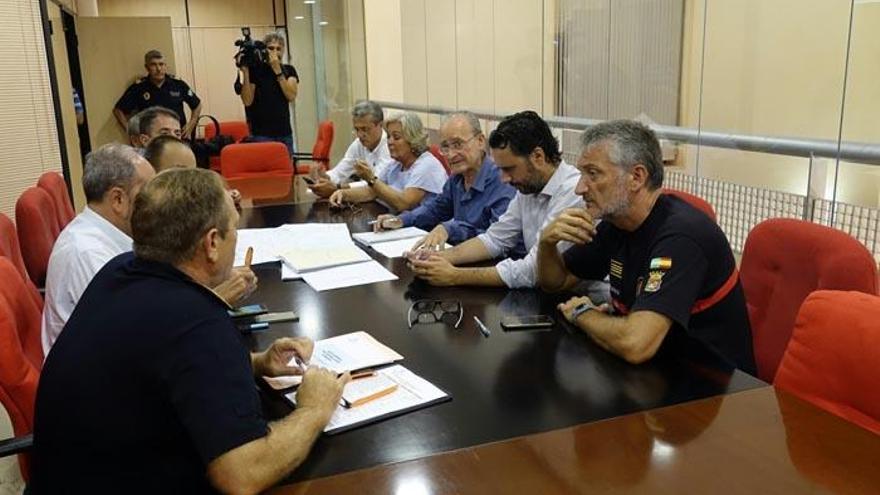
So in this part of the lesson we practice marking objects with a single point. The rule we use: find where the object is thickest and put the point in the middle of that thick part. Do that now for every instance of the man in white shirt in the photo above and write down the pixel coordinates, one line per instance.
(528, 156)
(371, 147)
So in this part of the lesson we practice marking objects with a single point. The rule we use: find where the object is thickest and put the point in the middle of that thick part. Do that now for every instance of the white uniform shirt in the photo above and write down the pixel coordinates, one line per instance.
(379, 158)
(525, 218)
(84, 247)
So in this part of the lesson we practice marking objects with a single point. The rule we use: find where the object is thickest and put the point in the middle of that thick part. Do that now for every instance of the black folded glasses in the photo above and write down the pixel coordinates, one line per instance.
(433, 311)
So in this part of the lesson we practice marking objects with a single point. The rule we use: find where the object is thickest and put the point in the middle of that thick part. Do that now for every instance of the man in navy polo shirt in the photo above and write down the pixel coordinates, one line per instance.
(149, 389)
(671, 269)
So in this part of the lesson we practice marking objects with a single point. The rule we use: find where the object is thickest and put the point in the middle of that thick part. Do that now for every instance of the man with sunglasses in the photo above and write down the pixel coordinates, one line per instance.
(471, 200)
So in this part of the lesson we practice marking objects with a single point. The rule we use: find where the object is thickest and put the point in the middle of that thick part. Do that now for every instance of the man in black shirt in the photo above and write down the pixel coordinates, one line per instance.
(266, 91)
(158, 89)
(149, 389)
(671, 269)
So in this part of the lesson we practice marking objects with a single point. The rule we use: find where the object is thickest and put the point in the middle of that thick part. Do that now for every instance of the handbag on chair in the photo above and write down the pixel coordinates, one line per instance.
(203, 148)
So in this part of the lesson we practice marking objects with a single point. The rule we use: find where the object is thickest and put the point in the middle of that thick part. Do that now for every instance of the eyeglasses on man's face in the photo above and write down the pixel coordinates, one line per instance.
(447, 147)
(435, 310)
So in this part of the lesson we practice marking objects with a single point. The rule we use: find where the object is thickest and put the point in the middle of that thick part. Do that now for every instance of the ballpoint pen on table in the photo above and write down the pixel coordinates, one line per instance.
(482, 328)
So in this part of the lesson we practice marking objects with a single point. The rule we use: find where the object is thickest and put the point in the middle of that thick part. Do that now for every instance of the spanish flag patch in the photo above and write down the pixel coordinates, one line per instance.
(661, 264)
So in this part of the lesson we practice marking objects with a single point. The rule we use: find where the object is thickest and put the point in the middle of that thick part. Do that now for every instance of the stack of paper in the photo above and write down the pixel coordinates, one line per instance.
(392, 243)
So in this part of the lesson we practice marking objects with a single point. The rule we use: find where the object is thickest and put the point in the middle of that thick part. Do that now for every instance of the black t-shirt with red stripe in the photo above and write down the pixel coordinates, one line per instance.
(677, 263)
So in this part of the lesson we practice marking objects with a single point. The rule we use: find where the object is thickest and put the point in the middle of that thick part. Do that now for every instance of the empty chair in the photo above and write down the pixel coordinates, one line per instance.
(37, 228)
(320, 151)
(830, 358)
(435, 150)
(269, 159)
(783, 261)
(10, 249)
(694, 200)
(53, 183)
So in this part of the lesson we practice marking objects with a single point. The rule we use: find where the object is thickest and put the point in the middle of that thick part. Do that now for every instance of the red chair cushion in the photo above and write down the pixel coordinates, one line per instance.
(270, 159)
(53, 183)
(831, 357)
(435, 150)
(10, 249)
(321, 149)
(694, 200)
(238, 129)
(37, 228)
(783, 261)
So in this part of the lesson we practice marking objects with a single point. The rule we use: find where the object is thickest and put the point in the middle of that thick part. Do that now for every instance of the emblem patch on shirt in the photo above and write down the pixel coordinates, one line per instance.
(655, 278)
(616, 268)
(660, 263)
(175, 94)
(146, 96)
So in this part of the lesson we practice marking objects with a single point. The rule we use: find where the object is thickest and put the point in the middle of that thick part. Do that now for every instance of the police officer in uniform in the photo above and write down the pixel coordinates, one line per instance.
(158, 89)
(673, 276)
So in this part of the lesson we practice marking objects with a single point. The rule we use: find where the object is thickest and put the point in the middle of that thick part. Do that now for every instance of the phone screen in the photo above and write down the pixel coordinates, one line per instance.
(249, 310)
(309, 181)
(513, 323)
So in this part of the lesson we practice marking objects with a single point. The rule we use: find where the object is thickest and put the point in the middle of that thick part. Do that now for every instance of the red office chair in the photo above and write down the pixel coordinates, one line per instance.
(783, 261)
(37, 228)
(238, 129)
(694, 200)
(269, 159)
(53, 183)
(10, 249)
(831, 356)
(19, 317)
(435, 150)
(320, 151)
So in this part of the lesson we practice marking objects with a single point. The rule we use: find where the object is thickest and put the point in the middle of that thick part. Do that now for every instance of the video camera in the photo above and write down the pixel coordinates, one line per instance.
(251, 53)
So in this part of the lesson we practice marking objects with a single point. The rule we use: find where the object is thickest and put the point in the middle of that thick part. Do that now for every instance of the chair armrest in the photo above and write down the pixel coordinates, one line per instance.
(16, 445)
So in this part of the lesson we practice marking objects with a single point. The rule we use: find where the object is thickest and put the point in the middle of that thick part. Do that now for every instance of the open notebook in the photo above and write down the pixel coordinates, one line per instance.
(391, 243)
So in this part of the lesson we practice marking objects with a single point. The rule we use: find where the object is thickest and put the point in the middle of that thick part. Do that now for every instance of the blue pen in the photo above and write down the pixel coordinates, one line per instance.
(255, 326)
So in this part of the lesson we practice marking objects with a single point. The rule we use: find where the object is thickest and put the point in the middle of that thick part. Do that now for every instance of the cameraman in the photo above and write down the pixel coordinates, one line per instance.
(266, 89)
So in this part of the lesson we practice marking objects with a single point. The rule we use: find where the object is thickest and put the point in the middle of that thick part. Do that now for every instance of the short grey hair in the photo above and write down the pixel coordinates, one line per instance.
(111, 165)
(150, 55)
(133, 128)
(147, 116)
(413, 131)
(368, 108)
(274, 37)
(628, 143)
(469, 117)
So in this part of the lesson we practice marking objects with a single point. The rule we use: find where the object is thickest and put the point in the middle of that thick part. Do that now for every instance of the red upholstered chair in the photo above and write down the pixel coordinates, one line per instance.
(10, 249)
(53, 183)
(831, 357)
(694, 200)
(19, 317)
(238, 129)
(320, 151)
(435, 150)
(783, 261)
(37, 228)
(243, 160)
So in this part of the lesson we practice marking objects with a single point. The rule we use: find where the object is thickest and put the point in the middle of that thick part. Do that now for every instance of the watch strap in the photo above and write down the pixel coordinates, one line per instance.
(581, 309)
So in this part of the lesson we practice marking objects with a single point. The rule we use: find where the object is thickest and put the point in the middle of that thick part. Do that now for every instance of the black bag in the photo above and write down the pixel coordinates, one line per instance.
(204, 149)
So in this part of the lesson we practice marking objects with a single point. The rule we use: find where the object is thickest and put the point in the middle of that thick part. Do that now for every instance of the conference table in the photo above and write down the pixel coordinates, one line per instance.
(541, 410)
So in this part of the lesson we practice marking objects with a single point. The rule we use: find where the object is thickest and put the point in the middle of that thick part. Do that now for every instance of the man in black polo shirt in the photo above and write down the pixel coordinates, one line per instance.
(158, 89)
(671, 269)
(149, 388)
(266, 89)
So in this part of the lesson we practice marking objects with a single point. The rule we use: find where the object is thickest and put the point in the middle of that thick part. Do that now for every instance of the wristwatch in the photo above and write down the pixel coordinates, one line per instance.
(579, 310)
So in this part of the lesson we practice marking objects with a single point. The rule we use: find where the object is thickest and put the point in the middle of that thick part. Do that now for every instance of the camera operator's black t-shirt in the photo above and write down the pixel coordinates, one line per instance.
(269, 114)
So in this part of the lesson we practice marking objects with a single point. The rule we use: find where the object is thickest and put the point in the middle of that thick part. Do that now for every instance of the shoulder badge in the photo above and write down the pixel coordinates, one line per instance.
(655, 278)
(660, 264)
(146, 96)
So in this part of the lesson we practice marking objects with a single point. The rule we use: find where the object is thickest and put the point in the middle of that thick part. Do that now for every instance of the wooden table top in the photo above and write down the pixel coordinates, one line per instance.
(758, 441)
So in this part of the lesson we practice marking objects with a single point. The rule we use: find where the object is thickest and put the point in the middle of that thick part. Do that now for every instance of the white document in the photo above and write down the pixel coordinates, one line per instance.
(351, 275)
(320, 245)
(348, 352)
(396, 249)
(264, 242)
(288, 273)
(370, 238)
(412, 391)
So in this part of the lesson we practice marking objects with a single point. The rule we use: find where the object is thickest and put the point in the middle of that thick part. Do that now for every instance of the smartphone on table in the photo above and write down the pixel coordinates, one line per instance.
(529, 322)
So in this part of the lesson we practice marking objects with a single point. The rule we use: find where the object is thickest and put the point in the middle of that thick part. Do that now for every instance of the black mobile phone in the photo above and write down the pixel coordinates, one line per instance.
(530, 322)
(309, 180)
(249, 310)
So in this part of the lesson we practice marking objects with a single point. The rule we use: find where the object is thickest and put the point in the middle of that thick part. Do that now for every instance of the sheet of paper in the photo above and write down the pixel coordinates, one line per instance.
(264, 242)
(370, 238)
(395, 249)
(303, 260)
(412, 391)
(288, 273)
(338, 277)
(348, 352)
(320, 245)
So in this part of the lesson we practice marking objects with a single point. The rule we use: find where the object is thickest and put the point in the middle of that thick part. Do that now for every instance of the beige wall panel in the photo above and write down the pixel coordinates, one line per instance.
(475, 51)
(384, 55)
(862, 105)
(175, 9)
(357, 51)
(111, 51)
(441, 56)
(302, 48)
(518, 55)
(68, 114)
(231, 13)
(414, 52)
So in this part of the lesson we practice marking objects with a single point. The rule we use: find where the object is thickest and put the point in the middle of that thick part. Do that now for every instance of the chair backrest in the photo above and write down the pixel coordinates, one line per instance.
(269, 159)
(10, 249)
(37, 228)
(323, 141)
(783, 261)
(832, 353)
(238, 129)
(435, 150)
(53, 183)
(694, 200)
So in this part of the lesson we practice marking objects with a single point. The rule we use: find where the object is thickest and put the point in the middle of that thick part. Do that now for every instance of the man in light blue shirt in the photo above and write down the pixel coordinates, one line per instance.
(528, 157)
(471, 200)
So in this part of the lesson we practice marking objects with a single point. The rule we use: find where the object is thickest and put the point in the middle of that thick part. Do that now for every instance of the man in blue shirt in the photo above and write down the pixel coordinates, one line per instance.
(471, 200)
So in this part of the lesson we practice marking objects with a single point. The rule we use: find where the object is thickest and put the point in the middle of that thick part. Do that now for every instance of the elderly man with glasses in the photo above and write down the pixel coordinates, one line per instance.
(471, 200)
